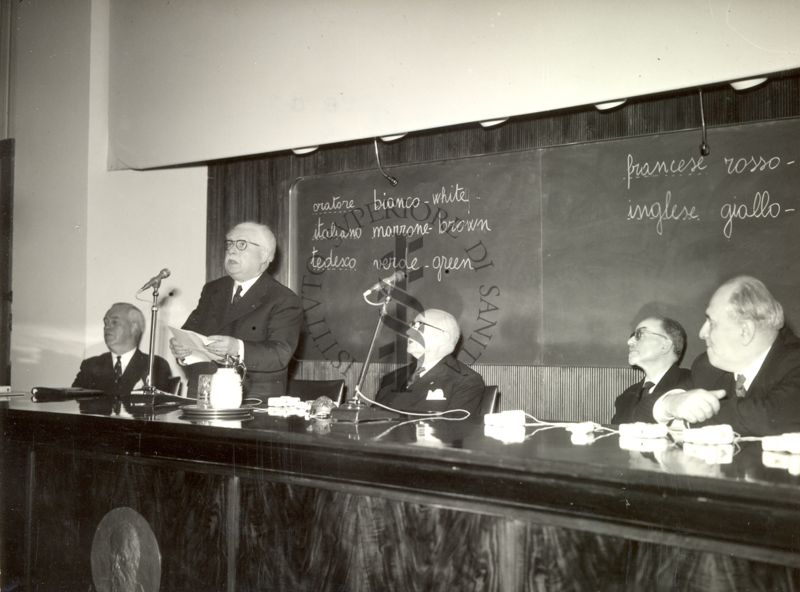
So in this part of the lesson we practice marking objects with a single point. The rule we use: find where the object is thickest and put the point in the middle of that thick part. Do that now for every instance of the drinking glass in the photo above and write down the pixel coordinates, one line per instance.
(204, 390)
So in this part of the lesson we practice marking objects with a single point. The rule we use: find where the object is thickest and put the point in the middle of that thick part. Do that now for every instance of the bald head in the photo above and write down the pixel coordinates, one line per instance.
(447, 323)
(433, 335)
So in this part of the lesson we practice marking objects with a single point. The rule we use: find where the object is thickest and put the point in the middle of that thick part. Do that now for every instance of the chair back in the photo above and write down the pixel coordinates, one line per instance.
(308, 390)
(174, 385)
(490, 400)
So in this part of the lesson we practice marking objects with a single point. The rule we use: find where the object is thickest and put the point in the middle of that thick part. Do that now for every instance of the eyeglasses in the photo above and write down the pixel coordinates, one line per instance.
(642, 331)
(241, 244)
(419, 324)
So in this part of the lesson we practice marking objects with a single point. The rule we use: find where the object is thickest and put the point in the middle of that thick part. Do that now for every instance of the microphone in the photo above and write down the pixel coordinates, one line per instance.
(155, 280)
(397, 276)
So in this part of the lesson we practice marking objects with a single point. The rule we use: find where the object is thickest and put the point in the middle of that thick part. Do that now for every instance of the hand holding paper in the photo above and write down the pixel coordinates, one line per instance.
(191, 346)
(222, 345)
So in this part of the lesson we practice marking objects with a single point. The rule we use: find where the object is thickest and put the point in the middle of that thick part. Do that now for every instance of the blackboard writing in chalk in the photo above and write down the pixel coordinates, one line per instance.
(550, 256)
(645, 225)
(466, 233)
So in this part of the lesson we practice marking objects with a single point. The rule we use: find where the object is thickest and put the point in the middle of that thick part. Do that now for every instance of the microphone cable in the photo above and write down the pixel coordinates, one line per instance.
(392, 180)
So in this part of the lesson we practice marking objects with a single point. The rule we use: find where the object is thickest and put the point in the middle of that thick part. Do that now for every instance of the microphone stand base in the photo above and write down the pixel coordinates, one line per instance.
(153, 396)
(361, 413)
(149, 391)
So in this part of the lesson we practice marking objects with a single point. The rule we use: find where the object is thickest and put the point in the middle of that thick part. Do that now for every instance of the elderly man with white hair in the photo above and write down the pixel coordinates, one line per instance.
(749, 376)
(247, 314)
(437, 381)
(124, 367)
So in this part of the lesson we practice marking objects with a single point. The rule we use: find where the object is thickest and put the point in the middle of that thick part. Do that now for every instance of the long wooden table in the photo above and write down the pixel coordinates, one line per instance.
(286, 503)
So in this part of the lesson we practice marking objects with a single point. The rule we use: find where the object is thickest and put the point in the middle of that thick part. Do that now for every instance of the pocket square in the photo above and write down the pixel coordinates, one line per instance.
(435, 395)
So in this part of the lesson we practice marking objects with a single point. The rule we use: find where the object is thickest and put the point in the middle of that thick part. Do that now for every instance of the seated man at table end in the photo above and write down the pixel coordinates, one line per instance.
(124, 367)
(749, 376)
(656, 346)
(437, 381)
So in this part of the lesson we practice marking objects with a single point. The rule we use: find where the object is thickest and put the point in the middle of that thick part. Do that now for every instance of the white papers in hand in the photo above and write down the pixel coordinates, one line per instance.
(196, 343)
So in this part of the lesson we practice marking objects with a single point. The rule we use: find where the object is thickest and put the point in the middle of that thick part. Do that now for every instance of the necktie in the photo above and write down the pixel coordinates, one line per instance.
(238, 295)
(118, 369)
(645, 389)
(740, 390)
(414, 377)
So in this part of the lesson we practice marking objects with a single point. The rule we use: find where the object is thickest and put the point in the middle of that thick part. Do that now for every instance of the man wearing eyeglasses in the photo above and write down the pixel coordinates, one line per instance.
(749, 376)
(656, 346)
(246, 314)
(437, 381)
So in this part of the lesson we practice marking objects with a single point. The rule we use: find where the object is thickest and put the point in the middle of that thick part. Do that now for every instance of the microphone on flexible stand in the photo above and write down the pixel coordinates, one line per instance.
(155, 280)
(383, 284)
(354, 410)
(149, 388)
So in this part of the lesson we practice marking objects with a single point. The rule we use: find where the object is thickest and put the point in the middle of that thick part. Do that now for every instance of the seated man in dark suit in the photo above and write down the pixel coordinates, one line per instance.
(749, 376)
(437, 381)
(656, 346)
(125, 367)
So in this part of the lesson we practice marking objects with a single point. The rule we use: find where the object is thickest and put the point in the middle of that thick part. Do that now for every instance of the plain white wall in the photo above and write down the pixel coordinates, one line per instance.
(49, 117)
(194, 80)
(85, 237)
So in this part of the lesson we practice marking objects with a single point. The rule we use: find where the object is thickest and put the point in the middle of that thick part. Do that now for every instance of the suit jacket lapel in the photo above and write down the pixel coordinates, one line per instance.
(433, 375)
(759, 382)
(106, 370)
(219, 302)
(667, 382)
(138, 365)
(134, 371)
(248, 302)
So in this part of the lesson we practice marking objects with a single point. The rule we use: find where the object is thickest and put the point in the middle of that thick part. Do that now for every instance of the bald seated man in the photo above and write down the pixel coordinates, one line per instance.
(749, 376)
(656, 347)
(124, 367)
(247, 314)
(436, 381)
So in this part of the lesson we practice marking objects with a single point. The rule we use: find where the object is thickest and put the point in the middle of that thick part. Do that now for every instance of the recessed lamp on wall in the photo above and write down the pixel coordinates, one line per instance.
(493, 122)
(306, 150)
(609, 105)
(748, 83)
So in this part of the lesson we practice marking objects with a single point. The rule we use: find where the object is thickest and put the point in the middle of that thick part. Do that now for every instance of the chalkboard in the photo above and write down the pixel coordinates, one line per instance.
(647, 225)
(467, 232)
(550, 256)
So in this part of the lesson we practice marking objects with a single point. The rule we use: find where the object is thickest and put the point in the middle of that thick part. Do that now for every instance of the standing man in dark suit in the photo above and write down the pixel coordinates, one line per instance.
(246, 314)
(656, 346)
(749, 376)
(437, 381)
(124, 367)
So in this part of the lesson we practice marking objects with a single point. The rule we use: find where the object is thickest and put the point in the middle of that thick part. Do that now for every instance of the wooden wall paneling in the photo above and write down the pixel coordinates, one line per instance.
(6, 245)
(75, 490)
(547, 392)
(303, 538)
(245, 195)
(16, 462)
(279, 513)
